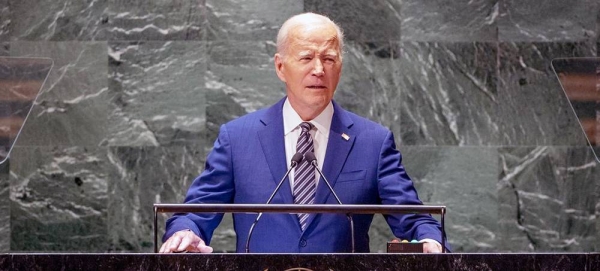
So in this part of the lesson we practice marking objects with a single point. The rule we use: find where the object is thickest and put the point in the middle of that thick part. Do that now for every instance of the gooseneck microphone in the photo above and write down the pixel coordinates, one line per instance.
(310, 158)
(296, 159)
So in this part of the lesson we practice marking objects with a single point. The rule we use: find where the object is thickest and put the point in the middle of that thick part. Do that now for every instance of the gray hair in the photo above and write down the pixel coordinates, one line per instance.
(284, 31)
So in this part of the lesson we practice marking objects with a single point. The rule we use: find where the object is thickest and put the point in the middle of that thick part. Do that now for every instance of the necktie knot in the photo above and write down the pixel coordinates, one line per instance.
(306, 126)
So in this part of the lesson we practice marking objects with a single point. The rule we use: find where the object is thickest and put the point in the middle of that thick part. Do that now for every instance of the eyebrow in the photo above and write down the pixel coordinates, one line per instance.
(331, 53)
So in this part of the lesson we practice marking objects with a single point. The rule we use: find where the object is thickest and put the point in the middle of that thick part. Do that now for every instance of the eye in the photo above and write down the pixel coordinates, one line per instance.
(329, 60)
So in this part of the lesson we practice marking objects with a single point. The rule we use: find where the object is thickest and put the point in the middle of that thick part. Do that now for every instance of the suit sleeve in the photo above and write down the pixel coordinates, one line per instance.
(396, 188)
(214, 185)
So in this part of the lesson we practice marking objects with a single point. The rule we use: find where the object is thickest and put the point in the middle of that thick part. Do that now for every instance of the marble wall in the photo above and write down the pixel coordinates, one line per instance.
(139, 89)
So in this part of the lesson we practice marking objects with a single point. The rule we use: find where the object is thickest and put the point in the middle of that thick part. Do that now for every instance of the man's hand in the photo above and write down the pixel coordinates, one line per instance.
(185, 241)
(432, 247)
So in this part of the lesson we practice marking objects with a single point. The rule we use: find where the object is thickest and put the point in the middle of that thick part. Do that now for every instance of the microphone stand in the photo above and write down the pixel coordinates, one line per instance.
(296, 159)
(310, 157)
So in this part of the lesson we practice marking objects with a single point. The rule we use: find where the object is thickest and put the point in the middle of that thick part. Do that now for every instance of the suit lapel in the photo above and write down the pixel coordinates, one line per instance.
(341, 140)
(273, 147)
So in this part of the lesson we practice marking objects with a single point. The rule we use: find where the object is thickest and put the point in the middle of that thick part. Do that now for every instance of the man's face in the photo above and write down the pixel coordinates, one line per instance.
(310, 67)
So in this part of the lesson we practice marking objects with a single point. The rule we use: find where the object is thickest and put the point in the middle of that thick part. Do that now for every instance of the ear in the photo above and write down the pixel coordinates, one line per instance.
(279, 67)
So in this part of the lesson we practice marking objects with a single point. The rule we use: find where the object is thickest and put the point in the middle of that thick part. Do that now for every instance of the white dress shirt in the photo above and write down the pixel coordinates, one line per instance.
(320, 135)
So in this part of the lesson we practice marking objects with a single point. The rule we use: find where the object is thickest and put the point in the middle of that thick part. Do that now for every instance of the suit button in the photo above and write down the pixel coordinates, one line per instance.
(302, 242)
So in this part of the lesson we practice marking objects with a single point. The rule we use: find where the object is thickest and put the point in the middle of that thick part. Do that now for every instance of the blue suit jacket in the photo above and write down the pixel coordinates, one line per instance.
(248, 160)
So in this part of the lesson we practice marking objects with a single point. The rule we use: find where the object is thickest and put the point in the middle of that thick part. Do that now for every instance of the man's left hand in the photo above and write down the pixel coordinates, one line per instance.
(432, 247)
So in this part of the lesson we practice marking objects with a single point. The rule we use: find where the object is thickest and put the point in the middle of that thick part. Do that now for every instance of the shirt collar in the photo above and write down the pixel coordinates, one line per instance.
(291, 119)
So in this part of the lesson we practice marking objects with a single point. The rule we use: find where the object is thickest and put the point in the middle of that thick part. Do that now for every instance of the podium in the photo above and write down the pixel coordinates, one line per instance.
(371, 261)
(348, 209)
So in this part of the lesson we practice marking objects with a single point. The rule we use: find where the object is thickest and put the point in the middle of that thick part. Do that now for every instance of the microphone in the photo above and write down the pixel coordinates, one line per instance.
(296, 159)
(310, 158)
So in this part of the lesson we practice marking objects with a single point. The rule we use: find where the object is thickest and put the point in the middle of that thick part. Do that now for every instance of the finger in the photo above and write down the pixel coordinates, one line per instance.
(163, 248)
(198, 245)
(185, 244)
(431, 248)
(174, 242)
(438, 248)
(170, 244)
(203, 248)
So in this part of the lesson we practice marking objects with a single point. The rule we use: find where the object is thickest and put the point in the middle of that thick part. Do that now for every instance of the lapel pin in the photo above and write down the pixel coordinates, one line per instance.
(345, 136)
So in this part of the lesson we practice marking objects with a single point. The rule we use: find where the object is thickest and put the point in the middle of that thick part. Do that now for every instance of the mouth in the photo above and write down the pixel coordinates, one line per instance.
(316, 87)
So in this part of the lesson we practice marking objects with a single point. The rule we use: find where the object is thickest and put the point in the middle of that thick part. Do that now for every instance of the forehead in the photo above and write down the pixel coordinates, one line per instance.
(319, 37)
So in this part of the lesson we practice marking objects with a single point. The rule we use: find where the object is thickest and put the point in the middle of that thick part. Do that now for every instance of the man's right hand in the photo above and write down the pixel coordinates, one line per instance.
(185, 241)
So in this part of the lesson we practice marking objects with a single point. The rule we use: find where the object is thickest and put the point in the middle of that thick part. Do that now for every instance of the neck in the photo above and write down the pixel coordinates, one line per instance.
(307, 113)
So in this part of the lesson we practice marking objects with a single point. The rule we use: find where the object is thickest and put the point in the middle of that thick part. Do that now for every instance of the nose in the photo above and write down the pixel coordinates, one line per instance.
(318, 69)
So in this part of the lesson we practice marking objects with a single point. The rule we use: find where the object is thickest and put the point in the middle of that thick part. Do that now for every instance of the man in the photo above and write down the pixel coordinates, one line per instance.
(252, 153)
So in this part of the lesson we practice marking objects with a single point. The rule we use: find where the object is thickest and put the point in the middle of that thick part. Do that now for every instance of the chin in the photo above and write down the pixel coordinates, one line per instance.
(320, 102)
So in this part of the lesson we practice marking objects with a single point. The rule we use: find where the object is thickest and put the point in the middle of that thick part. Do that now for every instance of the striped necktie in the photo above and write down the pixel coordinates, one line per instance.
(304, 174)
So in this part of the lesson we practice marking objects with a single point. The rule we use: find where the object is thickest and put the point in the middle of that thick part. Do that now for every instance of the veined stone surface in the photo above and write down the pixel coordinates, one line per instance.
(139, 90)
